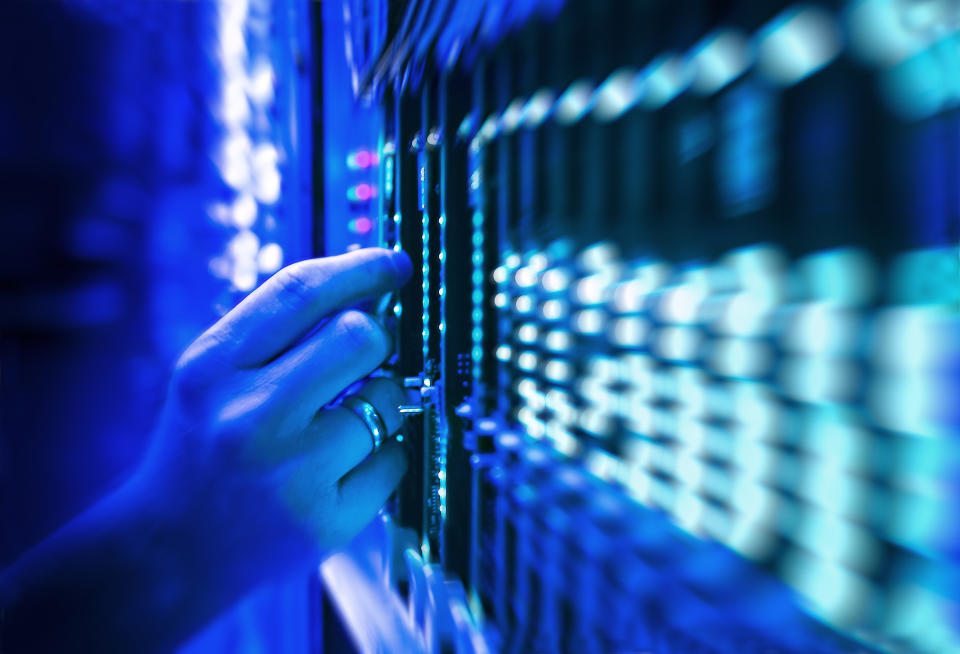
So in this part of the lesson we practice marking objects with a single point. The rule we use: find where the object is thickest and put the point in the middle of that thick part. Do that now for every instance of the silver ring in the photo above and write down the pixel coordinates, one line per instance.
(370, 416)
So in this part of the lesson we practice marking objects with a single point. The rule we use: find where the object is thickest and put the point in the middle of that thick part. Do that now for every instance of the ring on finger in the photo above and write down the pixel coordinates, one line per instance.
(370, 417)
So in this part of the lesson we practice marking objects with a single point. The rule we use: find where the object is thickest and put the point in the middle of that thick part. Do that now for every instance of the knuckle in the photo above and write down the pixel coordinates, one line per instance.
(296, 280)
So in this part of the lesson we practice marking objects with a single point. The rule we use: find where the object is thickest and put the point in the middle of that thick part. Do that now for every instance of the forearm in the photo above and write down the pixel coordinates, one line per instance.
(120, 577)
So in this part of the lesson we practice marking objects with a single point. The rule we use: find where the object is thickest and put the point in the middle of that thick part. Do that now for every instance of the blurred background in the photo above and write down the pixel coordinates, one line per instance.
(683, 334)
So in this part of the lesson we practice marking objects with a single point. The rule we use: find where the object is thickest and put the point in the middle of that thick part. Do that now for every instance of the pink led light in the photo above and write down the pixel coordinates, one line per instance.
(362, 158)
(364, 192)
(362, 225)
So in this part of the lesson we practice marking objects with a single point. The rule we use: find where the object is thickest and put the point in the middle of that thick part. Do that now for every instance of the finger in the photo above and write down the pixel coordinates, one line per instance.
(277, 314)
(337, 439)
(303, 380)
(365, 488)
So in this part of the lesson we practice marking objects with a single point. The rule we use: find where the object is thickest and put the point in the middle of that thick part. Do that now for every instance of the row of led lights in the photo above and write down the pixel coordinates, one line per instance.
(821, 334)
(904, 393)
(247, 158)
(830, 476)
(793, 46)
(678, 481)
(747, 532)
(360, 195)
(833, 494)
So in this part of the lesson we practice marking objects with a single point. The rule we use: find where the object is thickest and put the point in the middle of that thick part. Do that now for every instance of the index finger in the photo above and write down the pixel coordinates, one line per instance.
(277, 314)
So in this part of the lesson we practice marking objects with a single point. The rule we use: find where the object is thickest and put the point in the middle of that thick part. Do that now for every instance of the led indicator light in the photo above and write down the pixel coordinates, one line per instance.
(362, 225)
(361, 193)
(362, 159)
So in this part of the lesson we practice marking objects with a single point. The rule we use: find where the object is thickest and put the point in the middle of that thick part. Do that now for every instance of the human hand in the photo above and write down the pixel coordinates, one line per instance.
(261, 478)
(251, 476)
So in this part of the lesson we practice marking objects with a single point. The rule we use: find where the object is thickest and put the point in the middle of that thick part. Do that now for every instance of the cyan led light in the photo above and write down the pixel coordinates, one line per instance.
(605, 368)
(717, 482)
(538, 262)
(630, 332)
(665, 422)
(833, 489)
(523, 304)
(717, 60)
(588, 321)
(388, 175)
(536, 401)
(603, 465)
(746, 314)
(630, 296)
(555, 279)
(677, 343)
(837, 437)
(796, 44)
(822, 328)
(680, 304)
(525, 277)
(640, 484)
(830, 590)
(563, 441)
(574, 103)
(688, 511)
(558, 340)
(598, 257)
(662, 494)
(756, 409)
(525, 387)
(756, 460)
(664, 79)
(880, 34)
(554, 310)
(617, 95)
(488, 131)
(818, 379)
(527, 333)
(592, 289)
(639, 420)
(844, 276)
(910, 338)
(527, 361)
(465, 129)
(538, 108)
(511, 116)
(558, 370)
(534, 426)
(909, 402)
(740, 357)
(692, 387)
